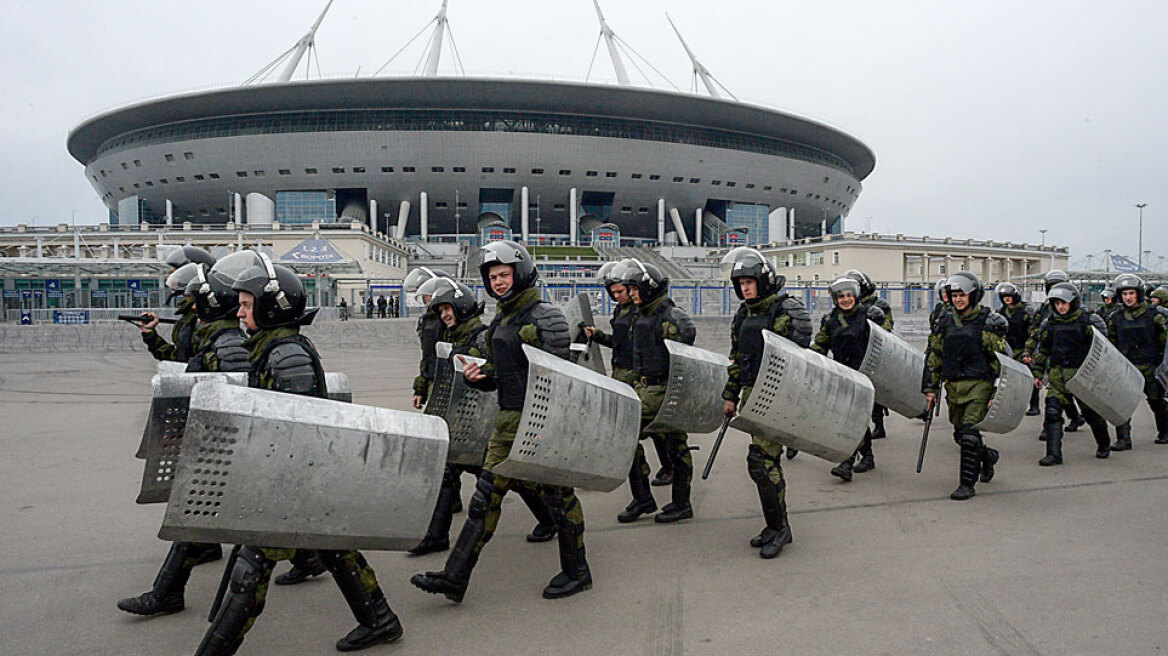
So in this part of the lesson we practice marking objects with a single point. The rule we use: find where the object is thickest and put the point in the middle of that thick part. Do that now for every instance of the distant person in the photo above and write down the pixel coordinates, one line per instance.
(369, 308)
(381, 306)
(344, 310)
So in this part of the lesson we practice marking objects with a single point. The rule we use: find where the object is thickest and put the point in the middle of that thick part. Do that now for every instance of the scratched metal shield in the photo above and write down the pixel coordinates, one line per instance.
(895, 369)
(283, 470)
(578, 312)
(806, 401)
(469, 413)
(1107, 381)
(693, 394)
(579, 428)
(1011, 398)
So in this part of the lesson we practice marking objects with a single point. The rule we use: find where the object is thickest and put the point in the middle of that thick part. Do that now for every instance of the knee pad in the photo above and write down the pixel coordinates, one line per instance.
(969, 439)
(1054, 410)
(251, 568)
(756, 464)
(481, 499)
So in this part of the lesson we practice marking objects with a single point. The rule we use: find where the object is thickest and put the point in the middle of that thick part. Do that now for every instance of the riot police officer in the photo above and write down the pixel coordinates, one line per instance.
(1064, 339)
(868, 298)
(1159, 296)
(844, 332)
(429, 330)
(961, 354)
(1108, 303)
(1020, 317)
(765, 306)
(1140, 333)
(621, 343)
(658, 319)
(509, 276)
(1052, 278)
(940, 303)
(273, 308)
(182, 335)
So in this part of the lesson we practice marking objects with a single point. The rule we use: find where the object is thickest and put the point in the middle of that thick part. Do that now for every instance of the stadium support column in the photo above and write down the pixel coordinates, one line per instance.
(572, 217)
(424, 215)
(791, 225)
(823, 227)
(675, 216)
(697, 227)
(237, 201)
(403, 216)
(169, 213)
(660, 221)
(523, 219)
(373, 215)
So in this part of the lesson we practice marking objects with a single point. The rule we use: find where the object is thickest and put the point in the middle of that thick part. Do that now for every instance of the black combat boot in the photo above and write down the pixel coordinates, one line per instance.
(878, 423)
(438, 534)
(664, 475)
(1054, 445)
(680, 507)
(1122, 437)
(791, 453)
(1161, 415)
(305, 565)
(377, 623)
(843, 470)
(545, 529)
(1102, 439)
(867, 460)
(1033, 409)
(1074, 416)
(643, 502)
(166, 596)
(574, 574)
(455, 576)
(970, 467)
(239, 605)
(778, 531)
(989, 458)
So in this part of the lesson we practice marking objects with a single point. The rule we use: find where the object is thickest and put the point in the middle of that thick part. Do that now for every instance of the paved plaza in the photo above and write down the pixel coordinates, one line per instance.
(1065, 560)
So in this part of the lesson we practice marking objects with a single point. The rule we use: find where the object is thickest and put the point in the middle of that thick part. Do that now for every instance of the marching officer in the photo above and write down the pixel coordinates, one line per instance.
(272, 307)
(1108, 303)
(510, 276)
(657, 319)
(940, 303)
(844, 332)
(1140, 333)
(869, 298)
(1064, 339)
(1052, 278)
(1020, 317)
(181, 346)
(764, 307)
(961, 354)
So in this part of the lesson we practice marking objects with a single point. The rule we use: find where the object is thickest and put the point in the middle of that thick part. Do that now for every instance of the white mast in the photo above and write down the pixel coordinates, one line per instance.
(436, 42)
(610, 40)
(699, 70)
(302, 46)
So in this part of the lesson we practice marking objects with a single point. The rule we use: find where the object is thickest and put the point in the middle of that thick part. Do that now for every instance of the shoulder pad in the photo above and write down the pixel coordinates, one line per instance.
(1029, 310)
(292, 367)
(883, 305)
(997, 324)
(876, 314)
(800, 320)
(684, 323)
(230, 352)
(553, 328)
(1097, 321)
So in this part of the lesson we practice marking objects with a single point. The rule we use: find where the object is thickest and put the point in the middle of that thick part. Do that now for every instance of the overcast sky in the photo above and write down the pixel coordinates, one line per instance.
(989, 119)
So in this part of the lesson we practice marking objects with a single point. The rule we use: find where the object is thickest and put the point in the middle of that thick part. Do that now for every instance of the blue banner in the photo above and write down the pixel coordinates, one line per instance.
(11, 293)
(134, 284)
(1125, 265)
(99, 293)
(313, 250)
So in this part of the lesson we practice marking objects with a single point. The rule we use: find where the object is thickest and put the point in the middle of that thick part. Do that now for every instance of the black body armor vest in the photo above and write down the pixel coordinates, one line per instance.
(849, 338)
(429, 333)
(1019, 329)
(622, 342)
(1137, 338)
(1070, 341)
(963, 357)
(510, 362)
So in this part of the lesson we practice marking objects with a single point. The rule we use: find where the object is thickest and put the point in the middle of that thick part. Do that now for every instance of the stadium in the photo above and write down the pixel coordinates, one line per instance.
(439, 159)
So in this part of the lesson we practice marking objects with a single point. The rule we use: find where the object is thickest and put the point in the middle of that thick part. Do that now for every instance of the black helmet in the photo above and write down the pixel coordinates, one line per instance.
(968, 282)
(1005, 289)
(939, 290)
(610, 274)
(1054, 277)
(186, 254)
(508, 252)
(743, 262)
(214, 297)
(415, 279)
(1064, 291)
(458, 296)
(651, 284)
(431, 288)
(1160, 293)
(1107, 293)
(280, 299)
(867, 287)
(178, 280)
(844, 284)
(1125, 281)
(1148, 289)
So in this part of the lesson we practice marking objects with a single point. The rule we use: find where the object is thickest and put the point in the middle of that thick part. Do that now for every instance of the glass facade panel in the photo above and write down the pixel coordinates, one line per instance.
(755, 218)
(303, 207)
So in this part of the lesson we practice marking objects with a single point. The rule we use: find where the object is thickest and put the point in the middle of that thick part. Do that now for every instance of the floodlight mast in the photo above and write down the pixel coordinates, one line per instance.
(622, 77)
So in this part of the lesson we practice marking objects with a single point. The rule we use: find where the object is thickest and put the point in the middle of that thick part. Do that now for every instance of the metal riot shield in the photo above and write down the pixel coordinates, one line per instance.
(163, 437)
(895, 369)
(578, 429)
(693, 394)
(284, 470)
(158, 409)
(469, 413)
(170, 367)
(578, 312)
(807, 402)
(1107, 381)
(1011, 398)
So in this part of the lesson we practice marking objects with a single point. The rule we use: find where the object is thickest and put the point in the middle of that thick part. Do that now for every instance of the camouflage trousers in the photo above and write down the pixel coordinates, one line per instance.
(675, 446)
(763, 457)
(565, 508)
(968, 401)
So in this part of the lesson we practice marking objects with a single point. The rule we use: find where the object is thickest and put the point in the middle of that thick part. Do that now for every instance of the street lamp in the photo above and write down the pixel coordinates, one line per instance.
(1043, 231)
(1140, 207)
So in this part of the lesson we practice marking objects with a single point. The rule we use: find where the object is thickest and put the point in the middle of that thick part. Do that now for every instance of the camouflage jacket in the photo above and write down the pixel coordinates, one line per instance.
(781, 327)
(874, 299)
(991, 343)
(1044, 345)
(164, 350)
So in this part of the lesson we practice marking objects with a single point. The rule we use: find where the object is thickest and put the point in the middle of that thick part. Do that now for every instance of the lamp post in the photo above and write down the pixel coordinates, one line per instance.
(1140, 207)
(1043, 231)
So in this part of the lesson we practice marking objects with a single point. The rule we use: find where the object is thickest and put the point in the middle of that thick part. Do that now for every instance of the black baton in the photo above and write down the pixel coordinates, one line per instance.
(717, 445)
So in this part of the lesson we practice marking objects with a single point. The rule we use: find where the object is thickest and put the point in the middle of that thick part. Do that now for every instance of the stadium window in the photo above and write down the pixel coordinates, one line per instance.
(138, 163)
(125, 166)
(610, 174)
(626, 209)
(462, 204)
(408, 169)
(358, 169)
(149, 183)
(716, 183)
(509, 170)
(338, 169)
(213, 176)
(204, 212)
(199, 177)
(241, 174)
(188, 155)
(537, 171)
(826, 179)
(387, 169)
(258, 174)
(635, 176)
(137, 186)
(441, 205)
(437, 169)
(731, 184)
(170, 157)
(565, 172)
(654, 177)
(591, 174)
(642, 210)
(310, 171)
(794, 192)
(122, 189)
(164, 181)
(750, 185)
(559, 207)
(285, 171)
(694, 180)
(488, 169)
(460, 169)
(103, 173)
(781, 191)
(678, 178)
(179, 178)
